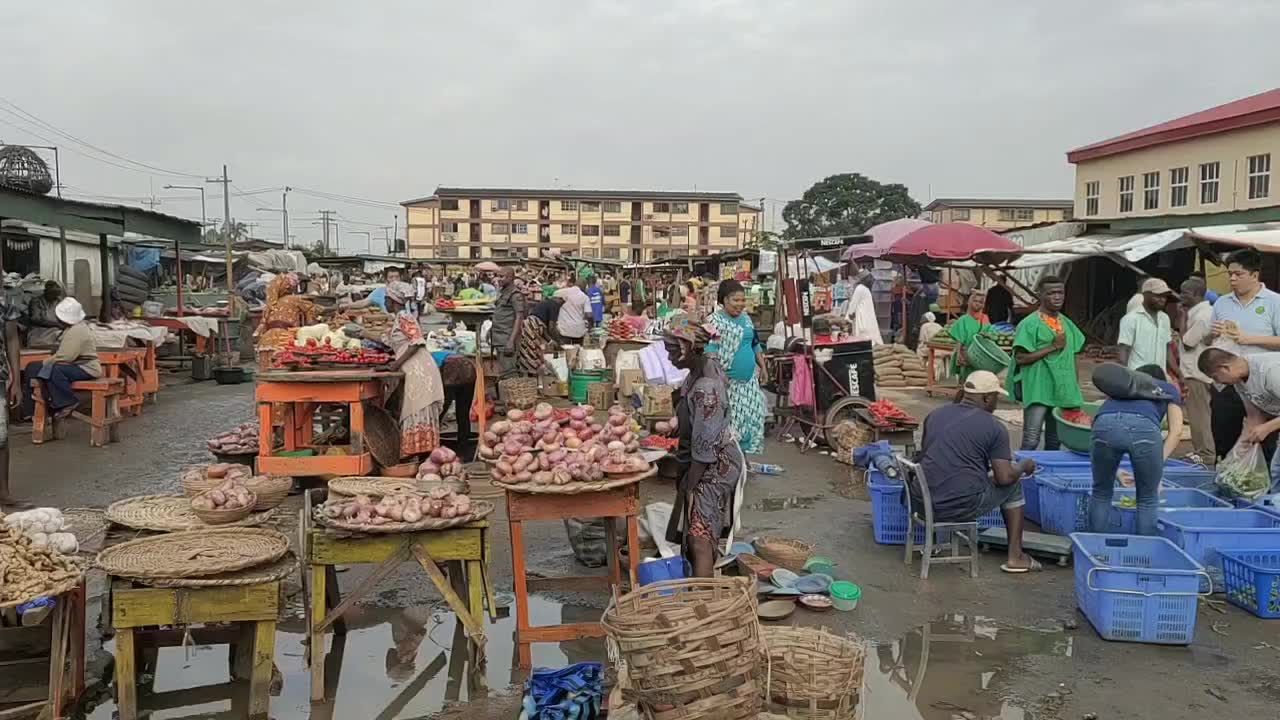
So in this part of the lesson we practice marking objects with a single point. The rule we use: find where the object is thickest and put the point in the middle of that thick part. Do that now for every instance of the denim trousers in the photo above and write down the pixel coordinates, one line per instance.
(1035, 417)
(1114, 435)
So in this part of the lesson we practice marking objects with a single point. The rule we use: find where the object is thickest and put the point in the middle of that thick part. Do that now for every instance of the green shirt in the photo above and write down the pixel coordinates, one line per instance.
(963, 331)
(1051, 380)
(548, 292)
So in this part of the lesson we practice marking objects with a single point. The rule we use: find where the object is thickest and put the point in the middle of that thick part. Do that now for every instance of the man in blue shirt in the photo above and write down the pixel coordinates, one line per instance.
(596, 295)
(1245, 322)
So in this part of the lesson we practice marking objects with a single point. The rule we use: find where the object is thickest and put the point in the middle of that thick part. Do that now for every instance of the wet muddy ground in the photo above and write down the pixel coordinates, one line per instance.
(948, 648)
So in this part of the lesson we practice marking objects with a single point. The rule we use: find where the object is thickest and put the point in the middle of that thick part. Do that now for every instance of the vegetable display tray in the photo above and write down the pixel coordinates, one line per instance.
(194, 553)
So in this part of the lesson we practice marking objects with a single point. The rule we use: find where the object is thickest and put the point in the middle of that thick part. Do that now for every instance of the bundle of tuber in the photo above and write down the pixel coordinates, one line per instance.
(230, 495)
(525, 431)
(28, 571)
(612, 449)
(440, 502)
(442, 465)
(240, 440)
(45, 526)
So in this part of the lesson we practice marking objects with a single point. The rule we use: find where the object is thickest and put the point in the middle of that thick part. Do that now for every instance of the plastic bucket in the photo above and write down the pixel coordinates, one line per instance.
(579, 380)
(657, 570)
(845, 595)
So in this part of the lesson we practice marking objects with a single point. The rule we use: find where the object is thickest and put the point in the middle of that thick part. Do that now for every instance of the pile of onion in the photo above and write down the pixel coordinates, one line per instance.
(408, 508)
(442, 464)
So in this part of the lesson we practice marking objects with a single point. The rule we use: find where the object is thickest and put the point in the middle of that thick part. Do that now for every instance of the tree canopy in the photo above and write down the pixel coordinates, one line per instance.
(846, 204)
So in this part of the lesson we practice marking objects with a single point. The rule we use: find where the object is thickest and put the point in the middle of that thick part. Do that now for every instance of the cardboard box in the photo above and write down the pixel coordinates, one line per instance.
(656, 400)
(629, 381)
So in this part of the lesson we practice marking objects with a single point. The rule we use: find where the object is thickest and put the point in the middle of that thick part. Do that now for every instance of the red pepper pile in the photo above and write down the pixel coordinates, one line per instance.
(313, 352)
(1077, 416)
(886, 413)
(444, 304)
(657, 442)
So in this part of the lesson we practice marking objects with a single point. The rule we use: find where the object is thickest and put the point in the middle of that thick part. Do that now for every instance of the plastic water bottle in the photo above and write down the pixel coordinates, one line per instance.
(766, 468)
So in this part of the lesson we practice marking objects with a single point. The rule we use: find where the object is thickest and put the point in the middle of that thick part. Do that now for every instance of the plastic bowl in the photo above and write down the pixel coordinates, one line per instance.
(845, 595)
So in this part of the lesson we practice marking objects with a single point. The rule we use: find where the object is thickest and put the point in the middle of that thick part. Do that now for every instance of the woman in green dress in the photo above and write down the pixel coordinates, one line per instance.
(965, 329)
(1042, 370)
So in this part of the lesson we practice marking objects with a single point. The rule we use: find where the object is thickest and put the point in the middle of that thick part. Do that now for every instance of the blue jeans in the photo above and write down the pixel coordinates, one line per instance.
(1115, 434)
(1035, 417)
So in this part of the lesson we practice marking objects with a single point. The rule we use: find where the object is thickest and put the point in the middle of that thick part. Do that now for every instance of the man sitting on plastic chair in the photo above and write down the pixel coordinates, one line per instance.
(969, 467)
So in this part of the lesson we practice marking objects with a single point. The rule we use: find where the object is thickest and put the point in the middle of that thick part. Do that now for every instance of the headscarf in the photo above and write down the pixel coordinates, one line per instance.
(930, 317)
(399, 292)
(280, 286)
(694, 333)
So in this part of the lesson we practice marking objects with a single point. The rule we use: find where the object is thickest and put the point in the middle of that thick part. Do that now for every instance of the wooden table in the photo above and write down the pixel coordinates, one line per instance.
(620, 502)
(463, 550)
(137, 387)
(138, 612)
(931, 383)
(298, 392)
(58, 641)
(178, 327)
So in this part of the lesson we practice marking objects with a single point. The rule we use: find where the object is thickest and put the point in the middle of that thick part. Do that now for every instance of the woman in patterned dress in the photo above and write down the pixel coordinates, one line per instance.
(422, 390)
(711, 462)
(742, 358)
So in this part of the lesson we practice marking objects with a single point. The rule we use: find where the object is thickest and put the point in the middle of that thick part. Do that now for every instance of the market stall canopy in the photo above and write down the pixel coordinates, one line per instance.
(813, 265)
(952, 242)
(487, 266)
(1132, 247)
(1264, 237)
(884, 235)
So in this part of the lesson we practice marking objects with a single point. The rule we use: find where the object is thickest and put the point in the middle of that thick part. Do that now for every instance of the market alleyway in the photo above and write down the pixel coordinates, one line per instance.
(997, 646)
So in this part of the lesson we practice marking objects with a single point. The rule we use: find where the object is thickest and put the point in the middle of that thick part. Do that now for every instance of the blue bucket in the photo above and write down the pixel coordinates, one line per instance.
(652, 571)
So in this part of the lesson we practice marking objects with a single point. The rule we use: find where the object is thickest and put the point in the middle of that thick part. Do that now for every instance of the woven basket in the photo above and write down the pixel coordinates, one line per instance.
(691, 647)
(196, 480)
(196, 553)
(814, 674)
(600, 394)
(518, 392)
(784, 552)
(222, 516)
(271, 490)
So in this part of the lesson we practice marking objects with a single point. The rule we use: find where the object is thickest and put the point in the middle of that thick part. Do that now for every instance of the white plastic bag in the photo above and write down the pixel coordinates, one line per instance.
(1244, 471)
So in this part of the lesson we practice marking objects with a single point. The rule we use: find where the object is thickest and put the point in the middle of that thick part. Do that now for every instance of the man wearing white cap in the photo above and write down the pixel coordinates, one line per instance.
(1145, 332)
(75, 359)
(969, 466)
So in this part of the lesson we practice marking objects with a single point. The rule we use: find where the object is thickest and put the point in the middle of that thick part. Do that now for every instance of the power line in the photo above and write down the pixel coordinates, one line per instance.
(348, 198)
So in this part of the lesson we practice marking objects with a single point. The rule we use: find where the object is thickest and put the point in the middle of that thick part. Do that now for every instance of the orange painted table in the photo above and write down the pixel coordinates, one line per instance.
(619, 502)
(298, 393)
(931, 382)
(146, 381)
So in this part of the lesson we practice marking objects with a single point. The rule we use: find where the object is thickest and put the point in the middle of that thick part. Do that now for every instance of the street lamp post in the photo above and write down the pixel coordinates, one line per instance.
(203, 218)
(368, 244)
(177, 246)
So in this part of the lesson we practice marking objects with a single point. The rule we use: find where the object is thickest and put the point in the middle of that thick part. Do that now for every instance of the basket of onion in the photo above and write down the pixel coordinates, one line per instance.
(229, 502)
(538, 430)
(408, 512)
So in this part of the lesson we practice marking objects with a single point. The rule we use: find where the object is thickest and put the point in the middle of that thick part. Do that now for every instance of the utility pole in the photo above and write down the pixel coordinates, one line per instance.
(391, 249)
(284, 214)
(325, 219)
(226, 228)
(395, 238)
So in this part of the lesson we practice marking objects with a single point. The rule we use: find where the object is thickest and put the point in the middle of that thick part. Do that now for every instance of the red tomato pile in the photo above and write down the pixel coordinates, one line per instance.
(313, 353)
(886, 413)
(1077, 416)
(620, 329)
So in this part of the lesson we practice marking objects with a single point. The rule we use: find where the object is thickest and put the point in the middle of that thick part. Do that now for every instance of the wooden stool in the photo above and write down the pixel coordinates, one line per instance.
(45, 649)
(620, 502)
(137, 611)
(104, 417)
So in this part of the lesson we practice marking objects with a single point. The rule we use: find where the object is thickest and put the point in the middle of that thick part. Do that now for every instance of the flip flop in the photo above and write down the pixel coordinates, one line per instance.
(1035, 566)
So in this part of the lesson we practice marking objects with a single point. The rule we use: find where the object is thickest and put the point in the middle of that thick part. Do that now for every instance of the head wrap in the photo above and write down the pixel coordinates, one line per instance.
(694, 333)
(399, 292)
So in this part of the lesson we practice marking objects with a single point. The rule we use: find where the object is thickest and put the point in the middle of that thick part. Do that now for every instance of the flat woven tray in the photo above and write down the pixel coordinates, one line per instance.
(192, 554)
(169, 513)
(479, 509)
(577, 488)
(371, 485)
(257, 575)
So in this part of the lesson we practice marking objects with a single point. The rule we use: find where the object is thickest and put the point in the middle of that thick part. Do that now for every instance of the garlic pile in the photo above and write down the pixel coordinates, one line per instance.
(44, 526)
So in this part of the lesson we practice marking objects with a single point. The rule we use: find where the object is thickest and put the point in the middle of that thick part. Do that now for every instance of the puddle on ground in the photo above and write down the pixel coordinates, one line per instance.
(393, 663)
(957, 668)
(787, 503)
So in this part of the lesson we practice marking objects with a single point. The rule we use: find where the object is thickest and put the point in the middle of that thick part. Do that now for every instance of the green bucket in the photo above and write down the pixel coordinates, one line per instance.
(580, 379)
(985, 354)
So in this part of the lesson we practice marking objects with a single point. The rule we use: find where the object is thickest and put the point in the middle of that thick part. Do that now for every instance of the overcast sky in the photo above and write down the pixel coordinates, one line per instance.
(387, 100)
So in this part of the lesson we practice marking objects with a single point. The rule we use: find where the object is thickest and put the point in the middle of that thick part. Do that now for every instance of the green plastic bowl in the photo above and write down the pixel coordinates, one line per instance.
(985, 354)
(1072, 436)
(845, 595)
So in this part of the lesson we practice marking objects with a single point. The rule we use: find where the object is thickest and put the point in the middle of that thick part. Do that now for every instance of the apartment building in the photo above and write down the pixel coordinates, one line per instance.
(1211, 163)
(630, 226)
(997, 213)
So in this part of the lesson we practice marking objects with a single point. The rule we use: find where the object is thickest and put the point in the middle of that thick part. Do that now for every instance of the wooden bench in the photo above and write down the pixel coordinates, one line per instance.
(104, 417)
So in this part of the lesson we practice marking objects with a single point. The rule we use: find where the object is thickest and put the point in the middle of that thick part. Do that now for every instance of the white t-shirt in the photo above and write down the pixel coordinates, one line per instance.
(1147, 337)
(573, 314)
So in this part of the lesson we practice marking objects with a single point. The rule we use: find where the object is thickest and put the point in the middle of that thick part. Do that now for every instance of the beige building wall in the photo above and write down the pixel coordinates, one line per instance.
(1230, 150)
(997, 218)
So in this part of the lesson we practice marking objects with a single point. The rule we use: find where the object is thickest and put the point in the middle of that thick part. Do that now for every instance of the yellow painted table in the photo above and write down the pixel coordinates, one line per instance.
(138, 612)
(463, 550)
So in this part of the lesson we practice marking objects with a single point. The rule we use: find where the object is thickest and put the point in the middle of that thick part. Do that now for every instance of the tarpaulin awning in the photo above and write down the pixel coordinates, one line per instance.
(949, 242)
(884, 235)
(1133, 248)
(1264, 237)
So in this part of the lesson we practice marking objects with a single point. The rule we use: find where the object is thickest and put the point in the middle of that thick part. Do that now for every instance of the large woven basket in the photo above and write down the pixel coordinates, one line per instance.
(691, 647)
(813, 674)
(222, 516)
(518, 392)
(196, 480)
(271, 490)
(784, 552)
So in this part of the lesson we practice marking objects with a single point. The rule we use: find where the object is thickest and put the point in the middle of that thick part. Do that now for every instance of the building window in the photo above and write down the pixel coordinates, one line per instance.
(613, 230)
(610, 253)
(680, 231)
(1126, 194)
(613, 207)
(521, 205)
(1024, 214)
(520, 229)
(728, 208)
(500, 229)
(449, 227)
(1092, 193)
(728, 231)
(1005, 215)
(588, 252)
(680, 208)
(1150, 190)
(591, 230)
(500, 205)
(499, 252)
(1209, 174)
(449, 251)
(660, 254)
(661, 231)
(1259, 176)
(1178, 178)
(568, 229)
(569, 205)
(448, 204)
(960, 214)
(661, 207)
(590, 206)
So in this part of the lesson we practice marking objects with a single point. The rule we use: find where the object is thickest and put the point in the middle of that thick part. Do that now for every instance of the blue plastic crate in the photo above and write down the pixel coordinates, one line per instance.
(889, 515)
(1190, 477)
(1124, 520)
(1268, 504)
(1064, 503)
(1031, 494)
(1203, 532)
(1136, 589)
(1253, 580)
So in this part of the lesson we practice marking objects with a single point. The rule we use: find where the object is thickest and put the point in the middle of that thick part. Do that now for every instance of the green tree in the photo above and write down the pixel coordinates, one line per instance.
(317, 249)
(846, 204)
(763, 240)
(238, 231)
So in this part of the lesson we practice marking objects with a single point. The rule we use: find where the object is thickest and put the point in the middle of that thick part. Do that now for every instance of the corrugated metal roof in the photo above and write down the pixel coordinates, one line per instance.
(999, 203)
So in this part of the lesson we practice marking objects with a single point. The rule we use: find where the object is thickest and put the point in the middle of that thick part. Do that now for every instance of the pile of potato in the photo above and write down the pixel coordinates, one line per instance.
(28, 571)
(230, 495)
(563, 456)
(443, 464)
(407, 507)
(240, 440)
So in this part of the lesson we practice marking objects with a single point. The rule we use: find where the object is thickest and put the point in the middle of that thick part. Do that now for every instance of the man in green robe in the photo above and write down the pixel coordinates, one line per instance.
(964, 330)
(1042, 371)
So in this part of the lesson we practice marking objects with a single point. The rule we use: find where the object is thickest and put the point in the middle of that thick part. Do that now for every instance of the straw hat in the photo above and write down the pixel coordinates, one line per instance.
(69, 311)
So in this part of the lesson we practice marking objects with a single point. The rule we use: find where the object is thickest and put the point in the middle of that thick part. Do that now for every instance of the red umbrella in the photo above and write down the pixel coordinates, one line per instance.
(950, 242)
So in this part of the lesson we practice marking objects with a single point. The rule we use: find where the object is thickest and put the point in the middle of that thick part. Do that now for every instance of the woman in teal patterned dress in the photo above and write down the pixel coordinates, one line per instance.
(741, 357)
